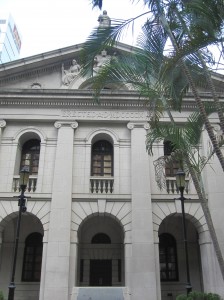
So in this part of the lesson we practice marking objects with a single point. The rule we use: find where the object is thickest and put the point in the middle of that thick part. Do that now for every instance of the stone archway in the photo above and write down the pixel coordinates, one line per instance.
(101, 252)
(29, 224)
(173, 260)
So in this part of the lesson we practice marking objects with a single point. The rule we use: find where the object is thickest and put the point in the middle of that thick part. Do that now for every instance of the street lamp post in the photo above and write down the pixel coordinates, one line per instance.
(180, 181)
(23, 180)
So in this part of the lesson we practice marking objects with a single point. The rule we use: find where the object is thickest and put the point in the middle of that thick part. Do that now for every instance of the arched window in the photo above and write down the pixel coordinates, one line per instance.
(168, 257)
(30, 155)
(101, 238)
(32, 257)
(171, 167)
(102, 159)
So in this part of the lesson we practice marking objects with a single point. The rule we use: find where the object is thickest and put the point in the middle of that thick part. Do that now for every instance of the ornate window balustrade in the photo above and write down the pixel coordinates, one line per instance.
(31, 187)
(171, 186)
(101, 185)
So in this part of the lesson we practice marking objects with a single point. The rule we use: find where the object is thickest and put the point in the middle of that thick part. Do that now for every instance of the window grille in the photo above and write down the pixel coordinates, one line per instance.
(32, 257)
(168, 257)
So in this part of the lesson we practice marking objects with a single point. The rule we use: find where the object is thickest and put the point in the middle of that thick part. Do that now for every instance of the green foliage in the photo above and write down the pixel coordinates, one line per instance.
(199, 296)
(181, 297)
(1, 295)
(97, 3)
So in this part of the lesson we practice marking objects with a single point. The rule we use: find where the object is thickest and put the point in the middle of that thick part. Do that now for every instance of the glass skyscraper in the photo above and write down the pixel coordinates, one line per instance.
(10, 39)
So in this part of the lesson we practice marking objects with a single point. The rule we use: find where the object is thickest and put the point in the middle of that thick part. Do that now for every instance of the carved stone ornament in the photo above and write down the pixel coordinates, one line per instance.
(2, 123)
(100, 60)
(36, 85)
(138, 125)
(59, 124)
(68, 76)
(218, 132)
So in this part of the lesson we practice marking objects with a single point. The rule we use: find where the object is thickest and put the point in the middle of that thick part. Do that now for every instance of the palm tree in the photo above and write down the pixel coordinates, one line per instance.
(191, 26)
(185, 141)
(163, 81)
(168, 18)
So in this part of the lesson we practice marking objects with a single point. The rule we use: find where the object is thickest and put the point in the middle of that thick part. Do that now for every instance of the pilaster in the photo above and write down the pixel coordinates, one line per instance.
(2, 125)
(142, 256)
(0, 248)
(212, 277)
(58, 249)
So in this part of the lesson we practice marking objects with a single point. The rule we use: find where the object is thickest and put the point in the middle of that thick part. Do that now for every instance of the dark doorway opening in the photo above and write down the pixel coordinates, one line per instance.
(100, 272)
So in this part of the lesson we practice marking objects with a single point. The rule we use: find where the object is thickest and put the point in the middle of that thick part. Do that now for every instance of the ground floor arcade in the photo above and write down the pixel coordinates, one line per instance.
(101, 257)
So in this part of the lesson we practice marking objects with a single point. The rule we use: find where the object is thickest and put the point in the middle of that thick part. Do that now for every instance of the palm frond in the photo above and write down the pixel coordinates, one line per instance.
(97, 3)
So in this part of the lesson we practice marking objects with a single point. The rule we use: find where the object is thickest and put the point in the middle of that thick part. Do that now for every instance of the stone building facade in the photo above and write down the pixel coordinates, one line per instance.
(97, 226)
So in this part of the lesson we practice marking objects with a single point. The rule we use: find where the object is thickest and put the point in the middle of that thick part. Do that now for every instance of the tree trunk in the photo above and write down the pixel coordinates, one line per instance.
(206, 211)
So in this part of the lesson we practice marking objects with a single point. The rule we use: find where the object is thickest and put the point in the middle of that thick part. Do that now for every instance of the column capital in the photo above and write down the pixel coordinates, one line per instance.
(72, 124)
(2, 123)
(132, 125)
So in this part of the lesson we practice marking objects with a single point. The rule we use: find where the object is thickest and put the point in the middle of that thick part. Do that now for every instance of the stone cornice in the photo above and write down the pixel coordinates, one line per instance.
(39, 63)
(70, 99)
(28, 73)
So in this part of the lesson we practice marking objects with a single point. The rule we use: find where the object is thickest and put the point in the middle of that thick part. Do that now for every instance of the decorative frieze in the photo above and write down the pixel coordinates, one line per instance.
(105, 115)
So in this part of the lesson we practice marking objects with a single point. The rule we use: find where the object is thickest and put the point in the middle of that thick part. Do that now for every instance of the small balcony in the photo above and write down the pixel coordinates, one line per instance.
(31, 187)
(101, 185)
(171, 186)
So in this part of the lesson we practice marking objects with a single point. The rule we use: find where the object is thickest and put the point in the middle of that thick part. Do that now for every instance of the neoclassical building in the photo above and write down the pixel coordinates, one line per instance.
(97, 226)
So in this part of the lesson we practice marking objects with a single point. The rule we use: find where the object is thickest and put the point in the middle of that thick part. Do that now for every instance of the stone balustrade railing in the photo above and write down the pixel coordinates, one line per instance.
(171, 186)
(31, 187)
(102, 185)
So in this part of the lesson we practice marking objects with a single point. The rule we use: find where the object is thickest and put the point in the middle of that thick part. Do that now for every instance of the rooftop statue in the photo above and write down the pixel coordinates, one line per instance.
(69, 75)
(104, 20)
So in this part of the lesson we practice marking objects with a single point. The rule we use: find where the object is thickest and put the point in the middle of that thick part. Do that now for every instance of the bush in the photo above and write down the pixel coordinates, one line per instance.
(199, 296)
(1, 295)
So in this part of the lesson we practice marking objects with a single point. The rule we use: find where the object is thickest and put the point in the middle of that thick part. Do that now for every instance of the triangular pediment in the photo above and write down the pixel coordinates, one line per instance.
(58, 69)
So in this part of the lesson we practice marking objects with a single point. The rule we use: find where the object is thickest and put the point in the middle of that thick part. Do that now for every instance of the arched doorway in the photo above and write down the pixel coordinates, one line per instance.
(101, 252)
(29, 256)
(172, 257)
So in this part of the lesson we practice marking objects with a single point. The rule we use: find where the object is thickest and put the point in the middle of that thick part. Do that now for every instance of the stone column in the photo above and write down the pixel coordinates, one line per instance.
(2, 125)
(157, 264)
(43, 267)
(142, 256)
(212, 278)
(73, 272)
(3, 172)
(58, 249)
(0, 249)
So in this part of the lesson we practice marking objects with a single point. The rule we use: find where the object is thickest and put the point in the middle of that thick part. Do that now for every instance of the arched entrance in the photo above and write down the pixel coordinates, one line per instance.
(101, 252)
(29, 256)
(172, 257)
